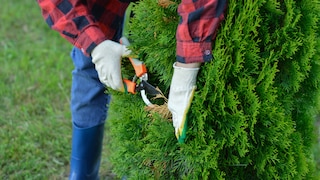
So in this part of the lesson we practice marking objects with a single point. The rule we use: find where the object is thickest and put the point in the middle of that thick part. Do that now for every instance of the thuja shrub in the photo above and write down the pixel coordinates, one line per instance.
(253, 112)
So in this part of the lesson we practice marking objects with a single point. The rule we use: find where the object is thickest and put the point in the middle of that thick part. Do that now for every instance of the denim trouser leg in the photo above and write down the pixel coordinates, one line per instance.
(89, 110)
(88, 100)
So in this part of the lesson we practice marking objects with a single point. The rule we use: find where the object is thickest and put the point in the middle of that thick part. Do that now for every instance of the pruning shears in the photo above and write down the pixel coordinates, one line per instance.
(133, 86)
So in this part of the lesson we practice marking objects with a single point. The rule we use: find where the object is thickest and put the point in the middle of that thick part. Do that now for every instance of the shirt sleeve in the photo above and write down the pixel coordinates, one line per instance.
(72, 20)
(199, 21)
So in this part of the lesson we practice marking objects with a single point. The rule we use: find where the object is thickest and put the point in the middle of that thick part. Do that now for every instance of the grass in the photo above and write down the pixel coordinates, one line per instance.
(35, 79)
(317, 147)
(34, 108)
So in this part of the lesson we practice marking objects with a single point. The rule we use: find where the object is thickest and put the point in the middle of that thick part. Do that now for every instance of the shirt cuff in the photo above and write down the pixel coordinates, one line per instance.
(89, 39)
(194, 52)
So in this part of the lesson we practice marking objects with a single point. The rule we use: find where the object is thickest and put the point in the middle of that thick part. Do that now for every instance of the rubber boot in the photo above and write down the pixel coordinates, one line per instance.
(86, 152)
(183, 86)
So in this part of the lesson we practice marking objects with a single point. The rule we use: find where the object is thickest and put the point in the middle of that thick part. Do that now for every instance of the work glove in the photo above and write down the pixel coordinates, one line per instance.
(183, 86)
(107, 59)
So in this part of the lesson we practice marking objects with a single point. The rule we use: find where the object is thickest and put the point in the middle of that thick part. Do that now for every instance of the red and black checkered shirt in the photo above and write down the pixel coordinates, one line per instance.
(86, 23)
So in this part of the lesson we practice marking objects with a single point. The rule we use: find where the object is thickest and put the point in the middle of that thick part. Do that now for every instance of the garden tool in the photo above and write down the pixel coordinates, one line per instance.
(139, 82)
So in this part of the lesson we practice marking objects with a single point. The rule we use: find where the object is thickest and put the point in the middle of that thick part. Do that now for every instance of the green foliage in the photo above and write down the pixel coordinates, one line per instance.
(35, 80)
(253, 113)
(152, 33)
(34, 91)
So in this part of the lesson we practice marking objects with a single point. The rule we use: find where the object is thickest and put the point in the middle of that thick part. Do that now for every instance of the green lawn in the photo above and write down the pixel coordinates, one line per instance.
(34, 87)
(35, 78)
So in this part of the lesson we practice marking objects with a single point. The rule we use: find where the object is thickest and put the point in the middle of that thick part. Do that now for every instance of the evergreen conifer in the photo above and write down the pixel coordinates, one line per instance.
(253, 113)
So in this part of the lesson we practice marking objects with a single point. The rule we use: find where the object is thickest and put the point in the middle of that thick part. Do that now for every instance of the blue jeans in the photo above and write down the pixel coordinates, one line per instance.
(89, 102)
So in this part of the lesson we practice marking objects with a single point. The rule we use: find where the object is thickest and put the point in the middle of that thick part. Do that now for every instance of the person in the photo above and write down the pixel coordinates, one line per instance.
(94, 28)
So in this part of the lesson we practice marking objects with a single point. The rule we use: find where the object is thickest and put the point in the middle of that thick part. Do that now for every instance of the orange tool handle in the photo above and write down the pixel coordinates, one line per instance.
(139, 67)
(130, 86)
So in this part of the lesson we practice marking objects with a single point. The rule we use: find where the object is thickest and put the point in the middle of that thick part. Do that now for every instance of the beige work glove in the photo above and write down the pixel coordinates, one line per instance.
(183, 86)
(107, 59)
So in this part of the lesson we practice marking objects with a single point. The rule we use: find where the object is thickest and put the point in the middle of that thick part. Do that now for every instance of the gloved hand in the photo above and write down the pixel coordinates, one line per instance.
(107, 59)
(183, 86)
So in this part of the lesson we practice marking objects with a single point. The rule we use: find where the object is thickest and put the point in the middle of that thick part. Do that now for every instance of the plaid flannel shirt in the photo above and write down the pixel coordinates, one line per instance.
(86, 23)
(198, 25)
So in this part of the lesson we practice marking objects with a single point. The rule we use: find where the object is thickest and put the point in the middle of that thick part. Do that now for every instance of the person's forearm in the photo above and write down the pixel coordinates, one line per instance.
(71, 19)
(196, 30)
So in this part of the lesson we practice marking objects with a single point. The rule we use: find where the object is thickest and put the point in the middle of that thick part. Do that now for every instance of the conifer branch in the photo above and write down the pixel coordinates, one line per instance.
(162, 110)
(165, 3)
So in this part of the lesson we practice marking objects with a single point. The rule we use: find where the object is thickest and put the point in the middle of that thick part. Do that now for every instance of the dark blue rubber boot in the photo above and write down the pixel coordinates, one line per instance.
(86, 152)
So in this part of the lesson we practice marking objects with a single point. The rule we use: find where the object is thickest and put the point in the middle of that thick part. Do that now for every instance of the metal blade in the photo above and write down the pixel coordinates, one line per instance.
(148, 88)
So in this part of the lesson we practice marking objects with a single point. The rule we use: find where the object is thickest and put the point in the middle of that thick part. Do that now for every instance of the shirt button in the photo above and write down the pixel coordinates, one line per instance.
(207, 52)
